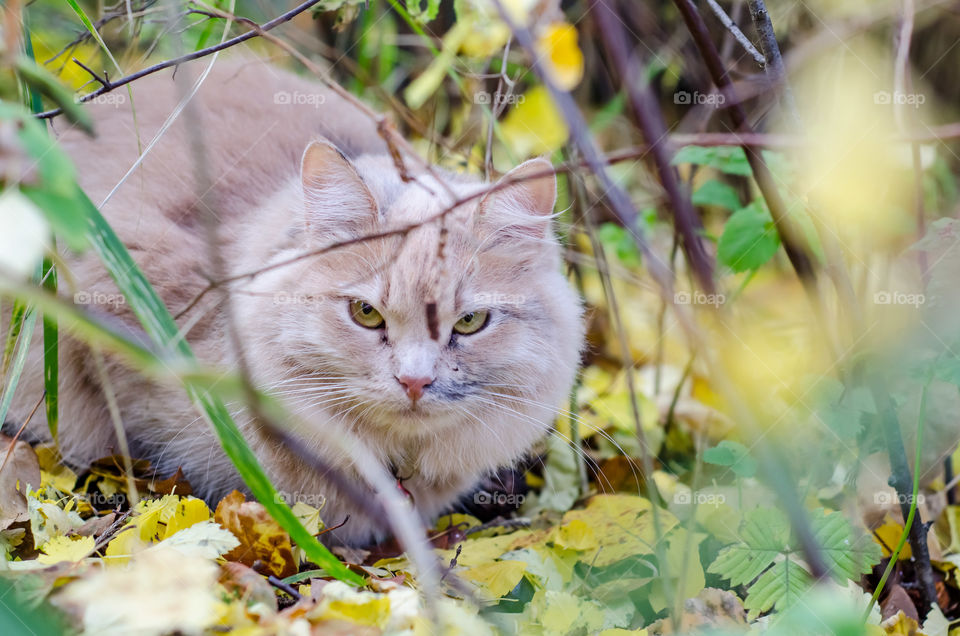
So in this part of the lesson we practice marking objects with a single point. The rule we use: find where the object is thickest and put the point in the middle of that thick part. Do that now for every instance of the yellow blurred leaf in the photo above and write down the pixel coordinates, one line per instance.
(189, 511)
(534, 126)
(52, 472)
(561, 55)
(72, 549)
(498, 577)
(888, 535)
(576, 535)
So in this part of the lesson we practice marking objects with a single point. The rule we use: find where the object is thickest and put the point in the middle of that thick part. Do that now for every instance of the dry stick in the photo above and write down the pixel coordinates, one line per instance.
(790, 235)
(794, 246)
(900, 468)
(647, 113)
(620, 203)
(737, 34)
(771, 53)
(108, 85)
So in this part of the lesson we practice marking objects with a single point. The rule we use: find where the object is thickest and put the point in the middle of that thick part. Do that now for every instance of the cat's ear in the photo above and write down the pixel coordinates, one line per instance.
(338, 203)
(523, 207)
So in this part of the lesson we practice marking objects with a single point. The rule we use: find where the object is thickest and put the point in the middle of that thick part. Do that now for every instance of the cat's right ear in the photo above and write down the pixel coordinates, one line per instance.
(339, 204)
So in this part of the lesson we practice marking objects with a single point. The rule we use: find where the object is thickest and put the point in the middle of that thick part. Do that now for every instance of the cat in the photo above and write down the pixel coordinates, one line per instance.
(447, 348)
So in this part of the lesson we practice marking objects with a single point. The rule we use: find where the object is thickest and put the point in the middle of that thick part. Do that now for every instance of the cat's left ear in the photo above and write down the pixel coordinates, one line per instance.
(523, 207)
(338, 203)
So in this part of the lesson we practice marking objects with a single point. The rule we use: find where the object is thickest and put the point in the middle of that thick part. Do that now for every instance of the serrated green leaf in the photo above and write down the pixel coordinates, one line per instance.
(728, 159)
(734, 455)
(764, 536)
(749, 238)
(779, 587)
(714, 192)
(847, 555)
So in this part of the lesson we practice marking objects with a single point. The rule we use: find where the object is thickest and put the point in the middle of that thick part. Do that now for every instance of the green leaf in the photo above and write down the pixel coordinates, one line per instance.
(51, 352)
(616, 238)
(728, 159)
(749, 238)
(714, 192)
(421, 13)
(19, 359)
(847, 554)
(42, 80)
(779, 587)
(764, 536)
(734, 455)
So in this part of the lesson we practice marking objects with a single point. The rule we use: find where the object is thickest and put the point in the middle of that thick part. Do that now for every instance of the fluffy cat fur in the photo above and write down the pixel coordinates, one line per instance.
(493, 393)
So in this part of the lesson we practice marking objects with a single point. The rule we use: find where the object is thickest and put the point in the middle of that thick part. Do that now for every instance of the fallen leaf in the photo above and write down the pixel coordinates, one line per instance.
(261, 538)
(67, 549)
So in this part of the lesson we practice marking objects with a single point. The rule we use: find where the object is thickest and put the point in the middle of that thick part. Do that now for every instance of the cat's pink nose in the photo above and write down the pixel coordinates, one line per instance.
(414, 386)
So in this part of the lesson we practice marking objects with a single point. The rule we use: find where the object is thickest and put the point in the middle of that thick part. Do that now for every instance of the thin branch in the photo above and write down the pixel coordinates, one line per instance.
(771, 52)
(792, 237)
(123, 81)
(647, 113)
(737, 34)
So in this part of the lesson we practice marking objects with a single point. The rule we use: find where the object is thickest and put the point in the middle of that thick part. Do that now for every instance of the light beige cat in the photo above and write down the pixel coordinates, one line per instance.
(344, 338)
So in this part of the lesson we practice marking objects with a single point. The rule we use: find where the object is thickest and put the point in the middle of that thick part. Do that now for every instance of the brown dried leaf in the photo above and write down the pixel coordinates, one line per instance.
(261, 538)
(20, 468)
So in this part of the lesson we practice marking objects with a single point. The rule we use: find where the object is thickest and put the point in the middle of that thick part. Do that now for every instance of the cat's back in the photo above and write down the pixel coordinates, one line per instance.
(249, 124)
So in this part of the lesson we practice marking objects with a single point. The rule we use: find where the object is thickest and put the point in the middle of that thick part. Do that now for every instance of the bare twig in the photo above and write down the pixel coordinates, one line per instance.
(793, 242)
(647, 113)
(109, 85)
(771, 52)
(737, 34)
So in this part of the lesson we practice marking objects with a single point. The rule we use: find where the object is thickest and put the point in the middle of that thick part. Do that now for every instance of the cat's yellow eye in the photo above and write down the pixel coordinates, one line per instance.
(365, 315)
(471, 323)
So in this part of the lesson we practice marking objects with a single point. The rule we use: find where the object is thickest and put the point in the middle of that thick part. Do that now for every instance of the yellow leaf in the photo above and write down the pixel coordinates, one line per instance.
(534, 126)
(576, 535)
(52, 472)
(188, 512)
(66, 549)
(623, 525)
(374, 611)
(562, 58)
(308, 516)
(498, 577)
(888, 535)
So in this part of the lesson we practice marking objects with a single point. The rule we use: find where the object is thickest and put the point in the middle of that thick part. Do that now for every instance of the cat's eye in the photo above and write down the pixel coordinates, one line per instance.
(471, 322)
(365, 315)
